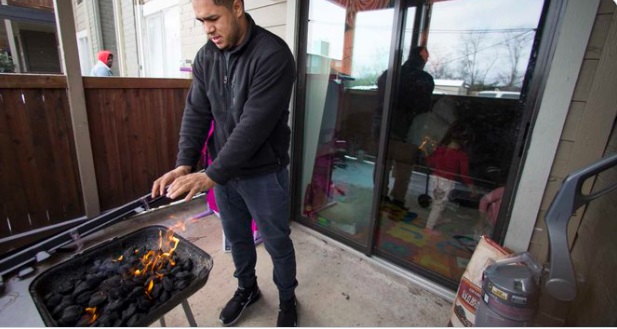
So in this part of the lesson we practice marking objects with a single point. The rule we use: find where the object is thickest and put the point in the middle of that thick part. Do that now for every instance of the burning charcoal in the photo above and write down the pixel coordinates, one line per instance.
(107, 319)
(66, 287)
(180, 284)
(53, 300)
(168, 284)
(134, 319)
(108, 268)
(156, 290)
(94, 280)
(114, 305)
(119, 323)
(49, 295)
(71, 314)
(114, 293)
(184, 275)
(126, 287)
(84, 321)
(97, 298)
(129, 311)
(81, 287)
(175, 270)
(162, 272)
(140, 281)
(124, 269)
(84, 298)
(111, 282)
(67, 301)
(137, 291)
(164, 296)
(188, 265)
(143, 303)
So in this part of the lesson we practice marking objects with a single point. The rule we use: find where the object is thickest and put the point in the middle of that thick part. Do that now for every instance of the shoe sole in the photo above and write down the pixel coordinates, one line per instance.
(251, 302)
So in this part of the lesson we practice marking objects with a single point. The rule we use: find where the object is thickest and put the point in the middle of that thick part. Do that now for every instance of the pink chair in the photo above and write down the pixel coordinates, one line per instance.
(210, 199)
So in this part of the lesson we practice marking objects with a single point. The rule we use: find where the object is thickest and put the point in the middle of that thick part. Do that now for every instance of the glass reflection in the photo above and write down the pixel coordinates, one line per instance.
(347, 51)
(455, 116)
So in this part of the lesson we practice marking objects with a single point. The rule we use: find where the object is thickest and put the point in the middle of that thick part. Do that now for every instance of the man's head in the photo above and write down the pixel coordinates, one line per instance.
(224, 21)
(106, 57)
(419, 52)
(418, 56)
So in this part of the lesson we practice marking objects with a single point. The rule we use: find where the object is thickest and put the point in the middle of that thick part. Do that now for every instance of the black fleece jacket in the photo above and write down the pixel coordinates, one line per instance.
(246, 91)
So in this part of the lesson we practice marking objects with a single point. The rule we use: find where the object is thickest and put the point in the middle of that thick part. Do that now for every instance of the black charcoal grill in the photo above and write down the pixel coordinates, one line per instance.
(75, 268)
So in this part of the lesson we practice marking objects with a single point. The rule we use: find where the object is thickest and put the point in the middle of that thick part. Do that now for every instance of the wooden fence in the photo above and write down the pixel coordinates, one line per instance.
(134, 126)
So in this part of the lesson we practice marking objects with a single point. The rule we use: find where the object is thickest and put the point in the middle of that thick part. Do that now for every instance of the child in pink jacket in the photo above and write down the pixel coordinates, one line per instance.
(449, 162)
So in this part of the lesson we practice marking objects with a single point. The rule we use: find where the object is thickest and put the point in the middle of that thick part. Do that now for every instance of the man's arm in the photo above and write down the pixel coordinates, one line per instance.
(197, 115)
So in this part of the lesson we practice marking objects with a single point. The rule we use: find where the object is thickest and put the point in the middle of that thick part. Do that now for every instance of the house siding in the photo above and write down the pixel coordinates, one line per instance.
(106, 12)
(588, 134)
(129, 30)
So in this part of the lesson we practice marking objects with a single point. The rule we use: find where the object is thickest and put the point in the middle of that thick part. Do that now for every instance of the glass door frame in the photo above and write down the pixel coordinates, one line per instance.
(534, 84)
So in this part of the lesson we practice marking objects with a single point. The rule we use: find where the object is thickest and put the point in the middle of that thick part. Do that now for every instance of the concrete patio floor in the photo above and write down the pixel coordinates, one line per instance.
(338, 287)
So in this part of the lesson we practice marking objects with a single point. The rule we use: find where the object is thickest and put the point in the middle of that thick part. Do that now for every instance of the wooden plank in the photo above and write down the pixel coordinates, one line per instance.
(136, 143)
(31, 81)
(12, 199)
(105, 146)
(66, 178)
(24, 153)
(151, 146)
(44, 189)
(134, 83)
(100, 135)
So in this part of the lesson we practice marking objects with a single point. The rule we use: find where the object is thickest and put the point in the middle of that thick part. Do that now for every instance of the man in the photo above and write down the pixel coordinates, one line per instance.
(414, 97)
(243, 79)
(102, 68)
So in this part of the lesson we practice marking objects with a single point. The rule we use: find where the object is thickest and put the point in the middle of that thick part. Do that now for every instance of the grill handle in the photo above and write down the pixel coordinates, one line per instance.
(561, 282)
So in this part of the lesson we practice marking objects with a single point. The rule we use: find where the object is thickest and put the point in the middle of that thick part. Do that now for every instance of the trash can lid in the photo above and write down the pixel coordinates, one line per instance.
(513, 284)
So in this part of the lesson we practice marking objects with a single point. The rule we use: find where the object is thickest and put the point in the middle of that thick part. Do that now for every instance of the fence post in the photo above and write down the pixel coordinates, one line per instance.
(65, 22)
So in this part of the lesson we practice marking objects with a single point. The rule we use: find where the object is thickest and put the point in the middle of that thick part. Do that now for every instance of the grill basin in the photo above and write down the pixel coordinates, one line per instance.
(147, 237)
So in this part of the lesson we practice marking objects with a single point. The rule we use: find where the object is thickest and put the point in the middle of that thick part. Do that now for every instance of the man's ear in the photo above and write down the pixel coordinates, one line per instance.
(238, 8)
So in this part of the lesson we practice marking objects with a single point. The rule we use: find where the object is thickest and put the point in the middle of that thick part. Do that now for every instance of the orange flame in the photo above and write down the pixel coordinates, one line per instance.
(153, 261)
(93, 315)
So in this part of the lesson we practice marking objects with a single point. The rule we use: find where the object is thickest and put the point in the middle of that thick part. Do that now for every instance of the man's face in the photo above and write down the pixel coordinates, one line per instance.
(110, 61)
(424, 54)
(221, 24)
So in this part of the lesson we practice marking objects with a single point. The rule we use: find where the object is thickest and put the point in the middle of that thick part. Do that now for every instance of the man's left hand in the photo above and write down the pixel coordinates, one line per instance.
(191, 183)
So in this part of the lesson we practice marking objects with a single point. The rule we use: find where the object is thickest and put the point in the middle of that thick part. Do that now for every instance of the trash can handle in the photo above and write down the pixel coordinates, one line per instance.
(561, 283)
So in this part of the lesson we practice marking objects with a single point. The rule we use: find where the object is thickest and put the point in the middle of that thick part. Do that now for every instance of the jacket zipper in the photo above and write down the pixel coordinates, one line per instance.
(225, 87)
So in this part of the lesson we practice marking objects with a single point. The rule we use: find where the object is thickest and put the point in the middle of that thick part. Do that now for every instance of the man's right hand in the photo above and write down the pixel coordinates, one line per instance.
(158, 187)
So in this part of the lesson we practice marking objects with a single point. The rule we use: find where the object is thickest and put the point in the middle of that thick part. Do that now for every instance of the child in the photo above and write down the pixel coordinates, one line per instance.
(447, 162)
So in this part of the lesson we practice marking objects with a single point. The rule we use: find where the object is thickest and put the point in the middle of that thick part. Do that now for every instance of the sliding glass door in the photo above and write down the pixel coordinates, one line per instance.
(411, 116)
(348, 46)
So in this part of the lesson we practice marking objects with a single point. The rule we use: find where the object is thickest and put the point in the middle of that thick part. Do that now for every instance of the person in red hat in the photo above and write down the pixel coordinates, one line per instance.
(102, 68)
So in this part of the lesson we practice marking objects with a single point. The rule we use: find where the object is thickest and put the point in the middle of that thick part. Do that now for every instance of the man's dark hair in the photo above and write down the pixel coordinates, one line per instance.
(227, 3)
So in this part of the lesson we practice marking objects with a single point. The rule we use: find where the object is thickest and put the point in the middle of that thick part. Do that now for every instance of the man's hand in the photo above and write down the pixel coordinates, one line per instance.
(158, 187)
(191, 183)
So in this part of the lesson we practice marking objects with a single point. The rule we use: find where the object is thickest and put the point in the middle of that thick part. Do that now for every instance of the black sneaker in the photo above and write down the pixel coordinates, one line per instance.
(288, 314)
(241, 300)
